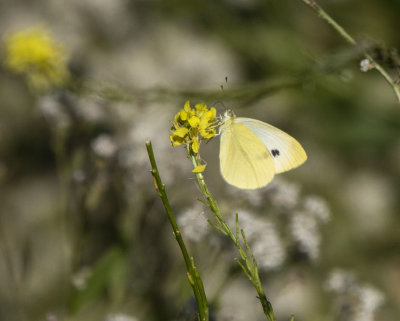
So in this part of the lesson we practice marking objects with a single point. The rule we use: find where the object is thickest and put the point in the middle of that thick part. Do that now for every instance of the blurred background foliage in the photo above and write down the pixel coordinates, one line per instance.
(83, 235)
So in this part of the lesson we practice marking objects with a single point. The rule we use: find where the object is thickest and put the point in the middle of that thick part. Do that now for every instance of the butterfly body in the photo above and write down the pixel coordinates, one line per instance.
(252, 151)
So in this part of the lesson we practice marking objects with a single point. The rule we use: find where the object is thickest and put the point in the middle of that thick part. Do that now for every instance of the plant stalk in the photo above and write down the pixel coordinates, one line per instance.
(321, 12)
(248, 264)
(192, 273)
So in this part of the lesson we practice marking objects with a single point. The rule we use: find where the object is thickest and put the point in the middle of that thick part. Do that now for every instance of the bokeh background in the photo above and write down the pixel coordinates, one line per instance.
(83, 235)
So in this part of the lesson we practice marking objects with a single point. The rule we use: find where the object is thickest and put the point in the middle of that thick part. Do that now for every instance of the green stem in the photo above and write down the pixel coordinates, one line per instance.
(321, 12)
(192, 273)
(248, 264)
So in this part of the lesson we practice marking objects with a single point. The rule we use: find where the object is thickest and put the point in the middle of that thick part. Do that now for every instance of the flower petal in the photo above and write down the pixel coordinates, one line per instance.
(201, 107)
(194, 121)
(195, 145)
(199, 169)
(183, 115)
(181, 132)
(187, 106)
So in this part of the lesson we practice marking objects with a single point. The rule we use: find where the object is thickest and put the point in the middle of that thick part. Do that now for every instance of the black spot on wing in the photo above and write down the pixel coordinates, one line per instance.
(275, 152)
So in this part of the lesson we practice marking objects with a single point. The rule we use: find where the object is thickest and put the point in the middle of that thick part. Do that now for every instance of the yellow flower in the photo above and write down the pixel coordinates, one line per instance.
(187, 106)
(194, 121)
(178, 135)
(176, 140)
(177, 118)
(181, 132)
(33, 53)
(189, 123)
(183, 115)
(193, 132)
(199, 168)
(210, 114)
(195, 145)
(208, 134)
(201, 107)
(203, 124)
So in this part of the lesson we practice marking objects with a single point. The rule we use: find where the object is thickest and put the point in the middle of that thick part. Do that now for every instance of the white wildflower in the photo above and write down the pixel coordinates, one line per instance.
(144, 126)
(268, 249)
(92, 110)
(54, 112)
(284, 194)
(104, 146)
(263, 238)
(304, 229)
(246, 222)
(193, 224)
(254, 197)
(366, 65)
(370, 299)
(236, 302)
(362, 300)
(317, 206)
(340, 281)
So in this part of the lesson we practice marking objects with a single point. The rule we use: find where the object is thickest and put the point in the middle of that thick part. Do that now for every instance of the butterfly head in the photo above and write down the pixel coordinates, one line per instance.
(226, 120)
(228, 115)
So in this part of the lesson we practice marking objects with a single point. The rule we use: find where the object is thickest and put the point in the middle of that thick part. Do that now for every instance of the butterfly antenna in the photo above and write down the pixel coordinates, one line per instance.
(219, 101)
(222, 86)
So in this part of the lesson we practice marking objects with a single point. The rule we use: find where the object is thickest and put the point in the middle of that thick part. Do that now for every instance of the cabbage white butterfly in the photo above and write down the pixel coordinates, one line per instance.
(252, 152)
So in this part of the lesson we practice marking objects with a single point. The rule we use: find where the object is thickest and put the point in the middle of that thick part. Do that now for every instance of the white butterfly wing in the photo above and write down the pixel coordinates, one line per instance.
(244, 159)
(286, 151)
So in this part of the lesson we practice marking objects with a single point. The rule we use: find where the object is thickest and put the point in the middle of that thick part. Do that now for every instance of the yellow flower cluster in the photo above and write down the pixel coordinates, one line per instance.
(33, 53)
(190, 126)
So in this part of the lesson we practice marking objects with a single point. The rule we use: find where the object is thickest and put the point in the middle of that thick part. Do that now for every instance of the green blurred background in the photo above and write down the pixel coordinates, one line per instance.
(83, 235)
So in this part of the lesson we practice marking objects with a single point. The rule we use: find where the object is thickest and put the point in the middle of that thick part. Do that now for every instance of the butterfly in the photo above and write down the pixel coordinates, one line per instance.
(252, 152)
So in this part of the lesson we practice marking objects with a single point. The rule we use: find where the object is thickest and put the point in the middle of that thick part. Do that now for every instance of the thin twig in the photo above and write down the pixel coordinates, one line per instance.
(247, 263)
(321, 12)
(192, 273)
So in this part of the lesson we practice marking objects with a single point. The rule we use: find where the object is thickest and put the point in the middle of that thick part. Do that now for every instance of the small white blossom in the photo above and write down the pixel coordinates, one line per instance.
(304, 229)
(193, 224)
(370, 299)
(104, 146)
(366, 65)
(268, 249)
(246, 222)
(92, 110)
(340, 281)
(317, 207)
(254, 197)
(362, 301)
(284, 194)
(263, 238)
(236, 302)
(145, 126)
(54, 111)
